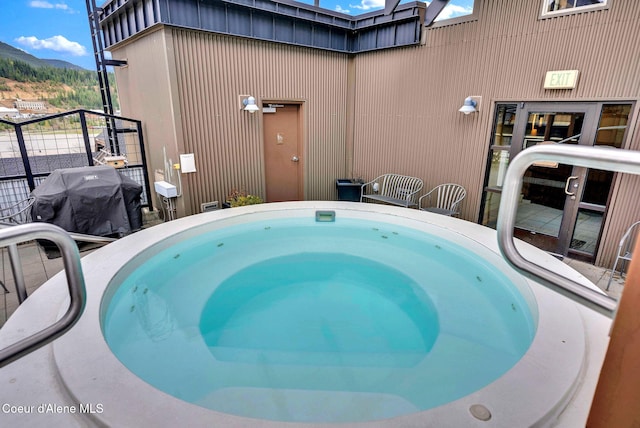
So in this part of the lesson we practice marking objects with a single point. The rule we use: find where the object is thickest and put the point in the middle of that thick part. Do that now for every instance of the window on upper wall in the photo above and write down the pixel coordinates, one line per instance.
(565, 7)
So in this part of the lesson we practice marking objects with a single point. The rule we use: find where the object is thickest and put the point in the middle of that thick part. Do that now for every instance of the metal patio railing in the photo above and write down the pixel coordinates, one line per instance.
(604, 158)
(31, 149)
(15, 235)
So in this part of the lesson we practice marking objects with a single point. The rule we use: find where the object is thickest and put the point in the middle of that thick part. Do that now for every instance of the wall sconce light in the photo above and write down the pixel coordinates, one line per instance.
(249, 104)
(471, 105)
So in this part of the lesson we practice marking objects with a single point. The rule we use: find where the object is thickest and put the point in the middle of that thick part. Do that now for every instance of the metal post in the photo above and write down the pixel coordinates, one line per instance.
(25, 157)
(18, 275)
(144, 164)
(85, 137)
(103, 75)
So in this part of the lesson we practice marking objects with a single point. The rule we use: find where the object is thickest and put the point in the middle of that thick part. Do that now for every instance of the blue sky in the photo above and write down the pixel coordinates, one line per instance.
(59, 29)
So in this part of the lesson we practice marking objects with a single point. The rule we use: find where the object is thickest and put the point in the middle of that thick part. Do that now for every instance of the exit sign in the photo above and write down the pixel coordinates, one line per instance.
(561, 79)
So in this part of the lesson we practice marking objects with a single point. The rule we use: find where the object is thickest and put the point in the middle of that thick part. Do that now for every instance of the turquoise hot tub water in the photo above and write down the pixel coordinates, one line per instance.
(297, 320)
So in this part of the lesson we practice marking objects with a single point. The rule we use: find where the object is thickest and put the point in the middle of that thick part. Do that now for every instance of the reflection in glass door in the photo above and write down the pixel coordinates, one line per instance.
(549, 189)
(611, 132)
(562, 207)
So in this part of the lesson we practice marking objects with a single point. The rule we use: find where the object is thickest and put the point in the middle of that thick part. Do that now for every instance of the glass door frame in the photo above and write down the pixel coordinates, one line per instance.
(586, 137)
(507, 137)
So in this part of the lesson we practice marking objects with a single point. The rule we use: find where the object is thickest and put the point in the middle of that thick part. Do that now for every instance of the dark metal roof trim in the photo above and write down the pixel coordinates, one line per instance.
(282, 21)
(434, 9)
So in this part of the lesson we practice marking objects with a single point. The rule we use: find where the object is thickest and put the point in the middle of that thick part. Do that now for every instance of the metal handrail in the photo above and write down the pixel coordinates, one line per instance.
(75, 283)
(604, 158)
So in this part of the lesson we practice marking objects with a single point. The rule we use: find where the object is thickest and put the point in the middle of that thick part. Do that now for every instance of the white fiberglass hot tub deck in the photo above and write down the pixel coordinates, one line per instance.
(280, 314)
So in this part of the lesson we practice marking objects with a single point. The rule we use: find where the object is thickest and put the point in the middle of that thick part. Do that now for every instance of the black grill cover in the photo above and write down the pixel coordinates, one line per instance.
(94, 200)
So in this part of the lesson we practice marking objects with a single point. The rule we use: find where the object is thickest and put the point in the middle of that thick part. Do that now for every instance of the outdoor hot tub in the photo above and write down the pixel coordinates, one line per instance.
(313, 314)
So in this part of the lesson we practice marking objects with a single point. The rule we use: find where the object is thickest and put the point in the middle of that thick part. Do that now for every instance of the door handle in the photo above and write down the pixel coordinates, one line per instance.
(295, 159)
(575, 186)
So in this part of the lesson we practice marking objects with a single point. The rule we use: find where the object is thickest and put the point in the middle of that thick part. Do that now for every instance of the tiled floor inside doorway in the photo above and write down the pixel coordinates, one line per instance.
(546, 220)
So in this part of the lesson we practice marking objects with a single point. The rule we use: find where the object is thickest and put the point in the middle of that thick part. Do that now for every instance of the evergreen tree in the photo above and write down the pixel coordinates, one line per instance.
(84, 83)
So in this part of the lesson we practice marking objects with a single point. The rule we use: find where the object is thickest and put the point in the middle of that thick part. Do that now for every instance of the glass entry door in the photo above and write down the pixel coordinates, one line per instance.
(562, 207)
(552, 192)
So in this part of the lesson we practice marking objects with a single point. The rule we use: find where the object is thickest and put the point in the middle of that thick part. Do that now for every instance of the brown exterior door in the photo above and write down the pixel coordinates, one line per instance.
(283, 152)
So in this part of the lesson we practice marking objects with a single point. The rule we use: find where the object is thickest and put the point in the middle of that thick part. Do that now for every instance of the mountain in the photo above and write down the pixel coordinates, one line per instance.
(61, 85)
(58, 63)
(9, 52)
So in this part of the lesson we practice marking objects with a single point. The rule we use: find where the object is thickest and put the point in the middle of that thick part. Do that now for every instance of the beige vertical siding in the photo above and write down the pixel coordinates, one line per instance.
(407, 120)
(624, 209)
(407, 99)
(146, 87)
(392, 110)
(213, 71)
(192, 80)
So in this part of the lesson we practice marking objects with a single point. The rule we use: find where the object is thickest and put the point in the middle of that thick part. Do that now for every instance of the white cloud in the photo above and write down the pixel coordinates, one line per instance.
(40, 4)
(368, 4)
(452, 10)
(341, 10)
(55, 43)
